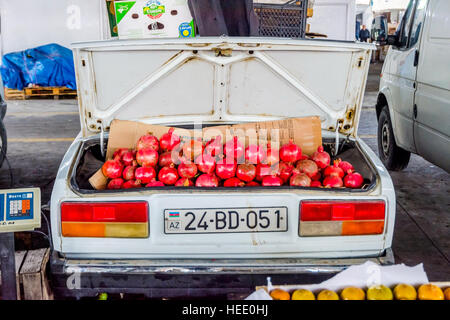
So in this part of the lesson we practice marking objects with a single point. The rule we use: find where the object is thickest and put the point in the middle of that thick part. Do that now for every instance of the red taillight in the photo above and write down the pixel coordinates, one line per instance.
(341, 218)
(105, 219)
(341, 210)
(104, 211)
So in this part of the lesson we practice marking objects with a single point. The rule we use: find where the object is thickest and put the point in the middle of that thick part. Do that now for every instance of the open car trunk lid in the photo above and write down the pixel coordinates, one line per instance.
(220, 80)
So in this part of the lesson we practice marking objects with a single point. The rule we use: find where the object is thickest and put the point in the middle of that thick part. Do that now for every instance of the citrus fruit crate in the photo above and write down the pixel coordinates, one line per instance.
(35, 92)
(289, 292)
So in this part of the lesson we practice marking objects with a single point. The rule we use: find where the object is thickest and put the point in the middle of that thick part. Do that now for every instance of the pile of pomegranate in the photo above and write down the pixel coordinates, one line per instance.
(168, 161)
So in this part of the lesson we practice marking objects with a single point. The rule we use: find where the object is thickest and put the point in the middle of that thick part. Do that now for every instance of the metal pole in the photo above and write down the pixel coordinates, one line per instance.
(8, 288)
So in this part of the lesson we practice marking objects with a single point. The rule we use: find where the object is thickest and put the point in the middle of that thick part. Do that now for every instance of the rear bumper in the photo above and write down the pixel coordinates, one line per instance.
(190, 278)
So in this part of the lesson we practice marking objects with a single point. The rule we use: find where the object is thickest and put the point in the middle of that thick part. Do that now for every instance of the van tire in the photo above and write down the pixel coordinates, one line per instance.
(3, 142)
(393, 157)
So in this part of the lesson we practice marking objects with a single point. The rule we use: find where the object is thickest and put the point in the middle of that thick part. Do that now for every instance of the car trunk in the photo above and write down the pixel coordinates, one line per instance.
(90, 159)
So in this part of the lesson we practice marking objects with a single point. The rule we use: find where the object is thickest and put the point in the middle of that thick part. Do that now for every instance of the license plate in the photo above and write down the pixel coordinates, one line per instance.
(225, 220)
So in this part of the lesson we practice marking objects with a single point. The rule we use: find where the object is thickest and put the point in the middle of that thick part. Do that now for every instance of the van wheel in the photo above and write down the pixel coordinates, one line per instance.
(393, 157)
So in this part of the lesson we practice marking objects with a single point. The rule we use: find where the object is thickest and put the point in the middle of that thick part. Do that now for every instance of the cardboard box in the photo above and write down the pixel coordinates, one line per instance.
(154, 18)
(305, 132)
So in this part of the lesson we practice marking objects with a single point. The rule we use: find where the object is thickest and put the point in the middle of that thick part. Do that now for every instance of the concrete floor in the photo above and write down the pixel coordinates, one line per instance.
(40, 131)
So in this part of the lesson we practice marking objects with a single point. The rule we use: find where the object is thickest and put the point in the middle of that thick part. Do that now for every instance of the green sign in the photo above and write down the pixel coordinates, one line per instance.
(122, 9)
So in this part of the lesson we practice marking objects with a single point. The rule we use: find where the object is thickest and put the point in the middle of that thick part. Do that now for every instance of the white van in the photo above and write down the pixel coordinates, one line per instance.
(413, 105)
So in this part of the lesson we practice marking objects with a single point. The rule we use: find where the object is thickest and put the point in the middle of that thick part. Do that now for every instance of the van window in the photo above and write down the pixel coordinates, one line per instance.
(417, 24)
(405, 26)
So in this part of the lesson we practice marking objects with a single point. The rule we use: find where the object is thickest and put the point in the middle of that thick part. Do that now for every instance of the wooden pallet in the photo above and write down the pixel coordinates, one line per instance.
(30, 93)
(12, 94)
(31, 277)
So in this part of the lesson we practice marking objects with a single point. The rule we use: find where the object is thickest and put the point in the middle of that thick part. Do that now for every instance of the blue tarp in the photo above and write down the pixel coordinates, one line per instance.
(50, 65)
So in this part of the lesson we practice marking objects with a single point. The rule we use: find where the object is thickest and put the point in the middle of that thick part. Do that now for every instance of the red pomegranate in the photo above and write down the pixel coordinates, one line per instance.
(192, 149)
(321, 157)
(148, 141)
(333, 182)
(205, 163)
(300, 180)
(272, 181)
(285, 170)
(112, 169)
(154, 183)
(115, 184)
(165, 159)
(214, 147)
(334, 170)
(317, 176)
(169, 140)
(255, 154)
(233, 149)
(168, 175)
(128, 158)
(246, 172)
(117, 155)
(233, 182)
(346, 166)
(131, 184)
(147, 157)
(145, 174)
(184, 182)
(226, 168)
(272, 155)
(252, 184)
(315, 184)
(304, 157)
(187, 170)
(263, 170)
(177, 154)
(307, 167)
(353, 180)
(207, 180)
(290, 152)
(128, 173)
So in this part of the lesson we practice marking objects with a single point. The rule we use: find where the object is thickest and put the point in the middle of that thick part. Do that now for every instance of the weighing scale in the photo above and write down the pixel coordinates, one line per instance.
(20, 210)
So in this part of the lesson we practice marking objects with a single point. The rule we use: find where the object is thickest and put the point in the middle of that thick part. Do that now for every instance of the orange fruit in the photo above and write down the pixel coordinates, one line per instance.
(279, 294)
(303, 294)
(327, 295)
(447, 293)
(379, 292)
(430, 292)
(405, 292)
(353, 293)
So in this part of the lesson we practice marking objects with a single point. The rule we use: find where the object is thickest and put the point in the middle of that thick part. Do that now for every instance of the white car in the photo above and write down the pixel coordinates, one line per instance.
(220, 81)
(413, 105)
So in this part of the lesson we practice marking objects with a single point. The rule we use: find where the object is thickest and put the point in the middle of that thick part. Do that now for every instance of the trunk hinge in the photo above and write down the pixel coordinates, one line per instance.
(102, 141)
(336, 147)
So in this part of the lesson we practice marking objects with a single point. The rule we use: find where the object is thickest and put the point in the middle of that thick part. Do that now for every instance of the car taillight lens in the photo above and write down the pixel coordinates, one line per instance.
(105, 219)
(339, 218)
